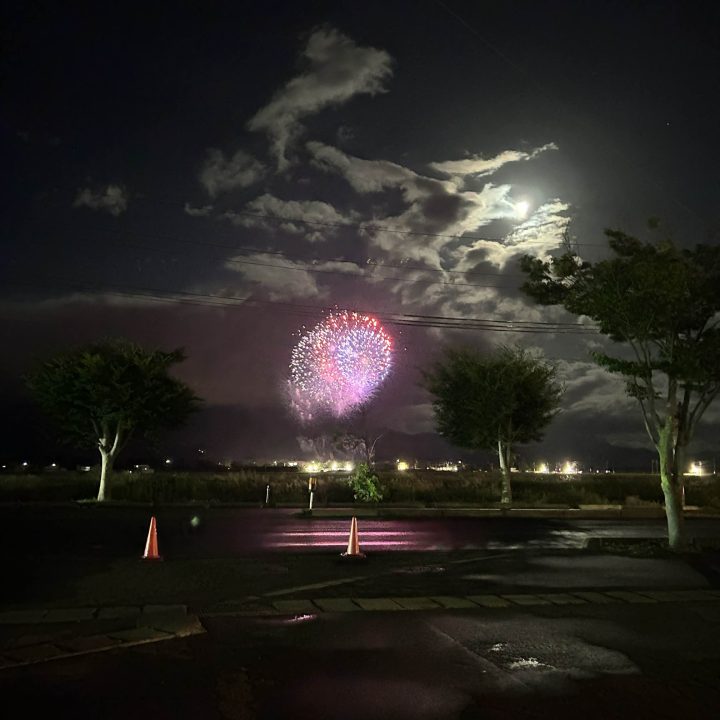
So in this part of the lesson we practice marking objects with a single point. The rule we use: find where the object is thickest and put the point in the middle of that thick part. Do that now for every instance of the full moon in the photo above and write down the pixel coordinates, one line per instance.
(521, 208)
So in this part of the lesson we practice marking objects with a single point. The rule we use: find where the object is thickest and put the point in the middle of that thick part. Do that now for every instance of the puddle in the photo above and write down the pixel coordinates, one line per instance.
(530, 663)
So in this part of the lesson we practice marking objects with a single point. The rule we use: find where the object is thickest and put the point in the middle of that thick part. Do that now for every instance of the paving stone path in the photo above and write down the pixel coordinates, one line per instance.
(35, 636)
(43, 635)
(470, 602)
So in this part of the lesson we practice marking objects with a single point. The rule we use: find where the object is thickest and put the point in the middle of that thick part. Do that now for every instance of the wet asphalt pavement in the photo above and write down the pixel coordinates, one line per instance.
(221, 532)
(656, 660)
(595, 662)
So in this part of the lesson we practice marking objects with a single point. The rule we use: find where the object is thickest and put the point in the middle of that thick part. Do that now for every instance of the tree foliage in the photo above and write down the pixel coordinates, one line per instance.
(108, 392)
(364, 484)
(661, 303)
(493, 400)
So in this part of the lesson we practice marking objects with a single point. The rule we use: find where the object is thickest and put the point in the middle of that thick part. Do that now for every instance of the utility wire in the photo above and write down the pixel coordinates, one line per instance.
(283, 253)
(361, 274)
(248, 302)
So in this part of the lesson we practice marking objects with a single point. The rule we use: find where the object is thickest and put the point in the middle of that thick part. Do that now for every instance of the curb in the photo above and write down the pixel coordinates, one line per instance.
(616, 512)
(141, 614)
(505, 601)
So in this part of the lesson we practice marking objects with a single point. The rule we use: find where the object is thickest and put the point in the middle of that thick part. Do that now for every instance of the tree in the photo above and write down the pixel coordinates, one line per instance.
(660, 302)
(359, 440)
(493, 400)
(364, 484)
(107, 393)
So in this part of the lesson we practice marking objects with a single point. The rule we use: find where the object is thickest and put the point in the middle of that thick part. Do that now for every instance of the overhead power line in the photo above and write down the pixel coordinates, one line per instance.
(248, 302)
(204, 244)
(363, 272)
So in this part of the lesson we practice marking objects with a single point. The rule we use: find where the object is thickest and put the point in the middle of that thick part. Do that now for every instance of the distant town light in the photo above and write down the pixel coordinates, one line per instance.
(402, 465)
(168, 461)
(315, 466)
(570, 467)
(542, 468)
(24, 464)
(445, 467)
(697, 468)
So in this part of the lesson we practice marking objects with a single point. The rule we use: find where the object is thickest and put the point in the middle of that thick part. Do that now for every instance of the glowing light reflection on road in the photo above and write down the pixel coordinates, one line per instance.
(377, 536)
(339, 533)
(335, 535)
(378, 543)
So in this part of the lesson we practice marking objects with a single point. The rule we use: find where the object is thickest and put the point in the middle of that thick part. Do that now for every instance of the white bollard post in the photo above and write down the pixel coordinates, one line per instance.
(311, 490)
(267, 494)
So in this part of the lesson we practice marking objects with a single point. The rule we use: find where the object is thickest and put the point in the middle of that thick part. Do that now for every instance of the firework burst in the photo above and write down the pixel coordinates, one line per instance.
(338, 365)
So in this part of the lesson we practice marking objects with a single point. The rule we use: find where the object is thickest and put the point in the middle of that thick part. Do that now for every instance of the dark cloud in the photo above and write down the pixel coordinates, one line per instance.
(221, 174)
(112, 199)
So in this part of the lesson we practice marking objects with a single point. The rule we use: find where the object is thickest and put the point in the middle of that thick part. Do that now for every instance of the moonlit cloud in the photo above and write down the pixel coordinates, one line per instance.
(314, 219)
(203, 211)
(368, 176)
(436, 213)
(282, 278)
(543, 231)
(479, 166)
(112, 199)
(220, 174)
(337, 70)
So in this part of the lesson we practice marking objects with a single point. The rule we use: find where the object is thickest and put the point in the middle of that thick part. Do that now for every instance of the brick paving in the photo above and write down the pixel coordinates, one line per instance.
(77, 631)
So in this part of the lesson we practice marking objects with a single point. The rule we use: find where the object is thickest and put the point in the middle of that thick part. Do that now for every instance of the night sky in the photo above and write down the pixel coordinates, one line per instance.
(218, 176)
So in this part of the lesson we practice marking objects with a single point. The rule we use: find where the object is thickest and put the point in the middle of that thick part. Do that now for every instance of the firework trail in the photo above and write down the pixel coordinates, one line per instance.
(338, 365)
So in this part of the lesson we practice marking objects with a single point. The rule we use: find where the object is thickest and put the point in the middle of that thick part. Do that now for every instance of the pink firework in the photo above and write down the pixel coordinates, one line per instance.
(338, 365)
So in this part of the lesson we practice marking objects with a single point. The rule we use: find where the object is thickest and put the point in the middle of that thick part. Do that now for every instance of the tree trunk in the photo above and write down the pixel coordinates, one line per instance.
(671, 480)
(105, 472)
(506, 489)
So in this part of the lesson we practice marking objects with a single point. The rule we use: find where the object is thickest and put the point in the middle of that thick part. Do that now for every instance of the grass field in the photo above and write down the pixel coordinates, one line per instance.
(418, 487)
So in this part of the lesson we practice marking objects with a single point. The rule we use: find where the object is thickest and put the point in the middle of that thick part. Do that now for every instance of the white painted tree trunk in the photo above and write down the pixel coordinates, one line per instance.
(672, 482)
(108, 454)
(506, 488)
(106, 464)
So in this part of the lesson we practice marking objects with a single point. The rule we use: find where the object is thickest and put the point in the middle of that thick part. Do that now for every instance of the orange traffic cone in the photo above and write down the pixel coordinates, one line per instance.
(151, 546)
(353, 548)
